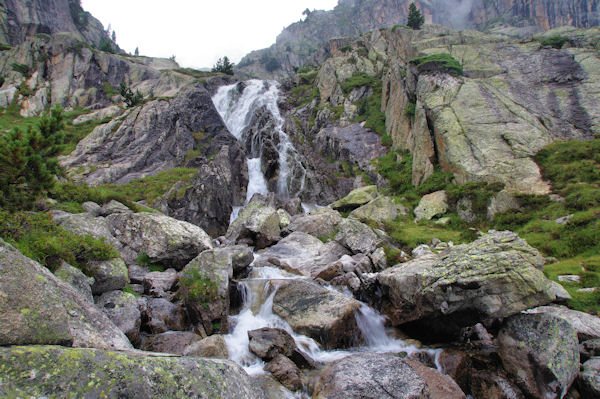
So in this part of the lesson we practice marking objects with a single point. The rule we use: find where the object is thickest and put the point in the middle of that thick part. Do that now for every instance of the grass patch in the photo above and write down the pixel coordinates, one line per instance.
(36, 236)
(408, 234)
(196, 73)
(443, 62)
(358, 80)
(556, 42)
(195, 286)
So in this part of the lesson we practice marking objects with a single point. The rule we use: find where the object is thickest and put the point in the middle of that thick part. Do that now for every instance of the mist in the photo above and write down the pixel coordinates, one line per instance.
(457, 12)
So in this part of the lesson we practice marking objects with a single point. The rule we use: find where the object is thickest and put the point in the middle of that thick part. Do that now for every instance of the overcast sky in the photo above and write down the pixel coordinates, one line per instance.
(198, 32)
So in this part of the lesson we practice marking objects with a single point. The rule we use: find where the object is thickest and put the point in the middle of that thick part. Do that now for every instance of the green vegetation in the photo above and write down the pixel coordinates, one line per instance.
(223, 65)
(195, 73)
(197, 287)
(23, 69)
(556, 42)
(410, 111)
(109, 90)
(415, 19)
(39, 238)
(442, 62)
(4, 47)
(144, 260)
(358, 80)
(80, 17)
(346, 49)
(106, 45)
(28, 161)
(129, 97)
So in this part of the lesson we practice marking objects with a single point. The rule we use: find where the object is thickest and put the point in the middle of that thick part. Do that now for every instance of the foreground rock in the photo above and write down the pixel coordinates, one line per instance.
(495, 276)
(37, 308)
(325, 315)
(586, 325)
(93, 373)
(540, 352)
(382, 376)
(356, 198)
(301, 253)
(213, 347)
(257, 224)
(123, 310)
(76, 279)
(268, 343)
(162, 239)
(357, 236)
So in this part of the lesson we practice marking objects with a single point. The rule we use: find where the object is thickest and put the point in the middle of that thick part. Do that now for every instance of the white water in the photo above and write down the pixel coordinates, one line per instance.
(237, 110)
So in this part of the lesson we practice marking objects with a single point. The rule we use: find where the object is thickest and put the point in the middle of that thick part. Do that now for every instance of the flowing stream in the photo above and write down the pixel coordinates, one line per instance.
(238, 105)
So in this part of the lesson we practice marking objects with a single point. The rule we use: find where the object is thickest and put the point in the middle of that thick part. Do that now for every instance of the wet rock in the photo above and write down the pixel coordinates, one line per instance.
(44, 310)
(161, 316)
(156, 284)
(241, 257)
(586, 325)
(495, 276)
(204, 288)
(285, 371)
(212, 347)
(431, 205)
(319, 223)
(79, 281)
(267, 343)
(122, 309)
(355, 199)
(301, 253)
(257, 224)
(109, 275)
(162, 239)
(589, 380)
(540, 353)
(124, 374)
(325, 315)
(379, 211)
(170, 342)
(371, 375)
(357, 236)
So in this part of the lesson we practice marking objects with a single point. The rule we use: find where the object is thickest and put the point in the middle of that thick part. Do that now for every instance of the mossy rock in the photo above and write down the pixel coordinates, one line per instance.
(356, 198)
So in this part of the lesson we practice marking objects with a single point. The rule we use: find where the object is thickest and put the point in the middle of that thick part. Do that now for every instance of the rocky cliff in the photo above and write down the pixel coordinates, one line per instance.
(20, 19)
(299, 43)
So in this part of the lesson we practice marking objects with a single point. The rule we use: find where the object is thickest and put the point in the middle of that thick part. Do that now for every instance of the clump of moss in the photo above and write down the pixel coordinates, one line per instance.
(358, 80)
(442, 62)
(556, 41)
(197, 287)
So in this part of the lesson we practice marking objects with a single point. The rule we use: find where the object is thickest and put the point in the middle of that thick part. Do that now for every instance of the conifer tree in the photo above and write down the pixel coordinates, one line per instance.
(224, 65)
(415, 18)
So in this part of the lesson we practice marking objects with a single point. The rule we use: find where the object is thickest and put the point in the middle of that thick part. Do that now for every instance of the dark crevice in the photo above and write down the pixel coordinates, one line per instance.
(431, 128)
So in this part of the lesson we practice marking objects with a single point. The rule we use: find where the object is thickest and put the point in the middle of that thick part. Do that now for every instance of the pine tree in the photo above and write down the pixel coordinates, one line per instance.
(224, 65)
(415, 19)
(137, 52)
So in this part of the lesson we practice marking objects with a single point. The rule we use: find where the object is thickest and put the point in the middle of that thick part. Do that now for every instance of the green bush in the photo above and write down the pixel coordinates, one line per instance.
(106, 45)
(39, 238)
(410, 111)
(23, 69)
(129, 97)
(443, 62)
(345, 49)
(195, 286)
(554, 41)
(358, 80)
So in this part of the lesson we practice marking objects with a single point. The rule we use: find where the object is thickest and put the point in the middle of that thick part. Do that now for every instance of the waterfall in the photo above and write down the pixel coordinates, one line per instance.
(250, 112)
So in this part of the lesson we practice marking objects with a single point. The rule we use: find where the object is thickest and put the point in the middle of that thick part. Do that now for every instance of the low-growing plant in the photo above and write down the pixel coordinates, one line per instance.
(442, 62)
(196, 286)
(556, 41)
(23, 69)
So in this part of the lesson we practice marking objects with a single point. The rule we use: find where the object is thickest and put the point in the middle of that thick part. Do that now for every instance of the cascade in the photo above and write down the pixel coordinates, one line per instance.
(250, 112)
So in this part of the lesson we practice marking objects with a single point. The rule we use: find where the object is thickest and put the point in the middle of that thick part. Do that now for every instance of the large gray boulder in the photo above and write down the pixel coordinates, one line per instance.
(356, 198)
(379, 211)
(170, 342)
(301, 253)
(382, 376)
(123, 310)
(431, 205)
(320, 223)
(161, 315)
(37, 308)
(95, 374)
(257, 225)
(589, 380)
(540, 352)
(325, 315)
(495, 276)
(357, 236)
(109, 275)
(353, 143)
(586, 325)
(75, 277)
(162, 239)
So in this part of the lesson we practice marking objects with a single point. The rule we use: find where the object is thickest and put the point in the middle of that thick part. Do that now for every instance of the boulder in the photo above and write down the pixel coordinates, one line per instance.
(94, 373)
(157, 284)
(267, 343)
(257, 224)
(161, 316)
(123, 310)
(357, 236)
(431, 205)
(495, 276)
(241, 257)
(75, 277)
(204, 288)
(301, 253)
(325, 315)
(85, 223)
(109, 275)
(285, 371)
(379, 211)
(213, 347)
(493, 384)
(588, 349)
(92, 208)
(355, 199)
(501, 202)
(540, 353)
(113, 207)
(44, 310)
(382, 376)
(170, 342)
(586, 325)
(162, 239)
(319, 223)
(589, 380)
(284, 218)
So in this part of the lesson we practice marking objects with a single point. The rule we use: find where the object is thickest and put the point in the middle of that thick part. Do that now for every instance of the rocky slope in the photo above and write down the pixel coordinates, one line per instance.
(21, 19)
(300, 43)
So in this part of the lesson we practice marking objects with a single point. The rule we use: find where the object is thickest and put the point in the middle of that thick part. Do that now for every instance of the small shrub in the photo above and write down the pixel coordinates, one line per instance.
(197, 287)
(345, 49)
(21, 68)
(109, 90)
(106, 45)
(443, 62)
(410, 111)
(4, 47)
(556, 42)
(129, 97)
(358, 80)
